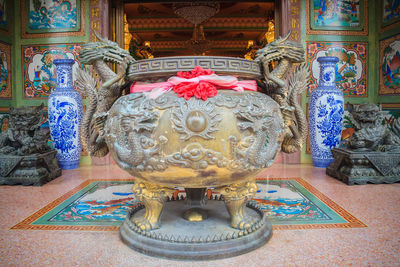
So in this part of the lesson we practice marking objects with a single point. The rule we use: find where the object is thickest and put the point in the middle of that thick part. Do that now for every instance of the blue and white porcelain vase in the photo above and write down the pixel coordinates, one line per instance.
(326, 109)
(65, 114)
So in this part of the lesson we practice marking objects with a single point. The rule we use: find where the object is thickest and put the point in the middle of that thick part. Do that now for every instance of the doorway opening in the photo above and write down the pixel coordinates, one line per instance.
(159, 29)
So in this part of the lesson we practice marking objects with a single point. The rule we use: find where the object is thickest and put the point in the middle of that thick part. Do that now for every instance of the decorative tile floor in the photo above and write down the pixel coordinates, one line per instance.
(102, 205)
(377, 206)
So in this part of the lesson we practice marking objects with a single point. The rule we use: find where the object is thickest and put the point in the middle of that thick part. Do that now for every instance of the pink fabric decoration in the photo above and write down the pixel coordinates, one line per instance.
(220, 82)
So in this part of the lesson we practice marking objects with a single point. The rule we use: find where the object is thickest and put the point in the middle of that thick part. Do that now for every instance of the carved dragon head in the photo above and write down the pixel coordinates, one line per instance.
(26, 117)
(104, 50)
(282, 48)
(366, 113)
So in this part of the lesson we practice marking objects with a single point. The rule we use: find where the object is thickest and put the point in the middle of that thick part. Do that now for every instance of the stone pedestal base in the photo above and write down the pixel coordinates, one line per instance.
(361, 167)
(36, 169)
(209, 239)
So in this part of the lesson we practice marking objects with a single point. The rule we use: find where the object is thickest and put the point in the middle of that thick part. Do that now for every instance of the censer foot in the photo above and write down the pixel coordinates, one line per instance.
(154, 197)
(236, 197)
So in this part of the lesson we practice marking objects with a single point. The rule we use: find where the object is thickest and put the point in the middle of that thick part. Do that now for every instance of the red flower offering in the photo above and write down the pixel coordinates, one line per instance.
(196, 72)
(198, 82)
(199, 89)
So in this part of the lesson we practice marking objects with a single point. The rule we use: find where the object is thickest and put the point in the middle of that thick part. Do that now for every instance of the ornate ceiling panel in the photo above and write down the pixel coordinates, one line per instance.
(230, 29)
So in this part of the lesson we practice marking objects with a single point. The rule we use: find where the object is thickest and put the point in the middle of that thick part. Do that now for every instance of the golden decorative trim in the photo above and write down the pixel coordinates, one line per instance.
(24, 34)
(390, 105)
(364, 31)
(388, 27)
(352, 221)
(138, 24)
(94, 20)
(295, 19)
(179, 44)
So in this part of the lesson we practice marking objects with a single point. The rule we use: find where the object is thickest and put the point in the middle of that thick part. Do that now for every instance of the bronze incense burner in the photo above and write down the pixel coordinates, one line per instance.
(168, 142)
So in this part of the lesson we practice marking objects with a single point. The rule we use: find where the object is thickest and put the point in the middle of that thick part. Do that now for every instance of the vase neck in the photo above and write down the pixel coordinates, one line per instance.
(64, 76)
(327, 74)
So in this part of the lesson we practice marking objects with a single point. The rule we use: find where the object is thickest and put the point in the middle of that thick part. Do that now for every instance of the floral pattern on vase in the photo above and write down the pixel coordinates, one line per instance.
(65, 114)
(325, 114)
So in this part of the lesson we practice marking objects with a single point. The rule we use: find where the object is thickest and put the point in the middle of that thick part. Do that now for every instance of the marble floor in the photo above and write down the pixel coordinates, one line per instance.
(378, 206)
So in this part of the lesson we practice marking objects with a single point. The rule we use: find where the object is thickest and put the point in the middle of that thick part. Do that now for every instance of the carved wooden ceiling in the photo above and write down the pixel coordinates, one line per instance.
(229, 30)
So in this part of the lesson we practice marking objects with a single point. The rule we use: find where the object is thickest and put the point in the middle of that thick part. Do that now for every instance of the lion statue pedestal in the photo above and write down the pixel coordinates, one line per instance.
(25, 156)
(204, 129)
(372, 154)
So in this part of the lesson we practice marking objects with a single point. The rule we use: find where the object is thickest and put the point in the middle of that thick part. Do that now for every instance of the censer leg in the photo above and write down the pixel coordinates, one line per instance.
(153, 197)
(236, 197)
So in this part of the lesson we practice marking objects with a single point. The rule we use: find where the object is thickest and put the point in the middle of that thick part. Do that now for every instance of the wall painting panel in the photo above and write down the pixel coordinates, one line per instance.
(390, 14)
(5, 71)
(39, 72)
(344, 17)
(4, 118)
(389, 66)
(351, 70)
(5, 9)
(53, 18)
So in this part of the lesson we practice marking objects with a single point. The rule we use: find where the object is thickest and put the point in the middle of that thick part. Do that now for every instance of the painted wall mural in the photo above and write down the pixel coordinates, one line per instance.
(341, 16)
(5, 71)
(4, 8)
(351, 70)
(389, 66)
(39, 72)
(390, 12)
(4, 118)
(51, 18)
(336, 13)
(56, 14)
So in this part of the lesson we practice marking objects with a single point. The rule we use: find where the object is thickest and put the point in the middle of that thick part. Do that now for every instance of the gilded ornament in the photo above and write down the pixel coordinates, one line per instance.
(196, 118)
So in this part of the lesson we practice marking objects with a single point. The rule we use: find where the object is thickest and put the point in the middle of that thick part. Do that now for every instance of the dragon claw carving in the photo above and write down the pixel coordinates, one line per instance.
(145, 225)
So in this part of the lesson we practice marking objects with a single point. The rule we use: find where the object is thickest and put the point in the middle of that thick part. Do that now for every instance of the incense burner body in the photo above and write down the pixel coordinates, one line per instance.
(221, 139)
(193, 143)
